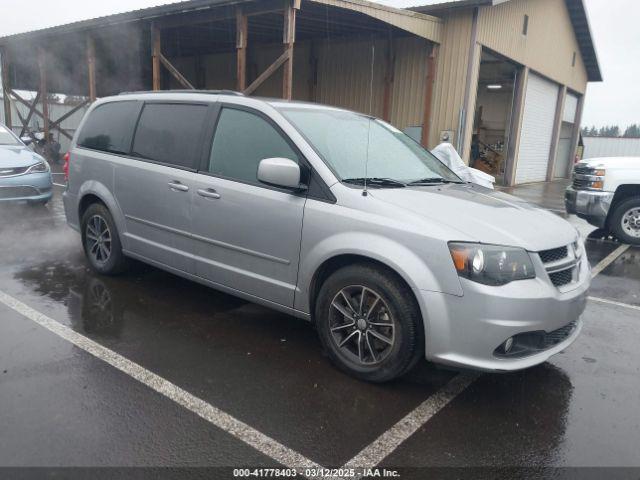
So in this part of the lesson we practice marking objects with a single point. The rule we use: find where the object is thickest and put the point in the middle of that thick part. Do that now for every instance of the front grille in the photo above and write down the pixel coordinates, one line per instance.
(17, 192)
(562, 278)
(554, 255)
(9, 172)
(558, 336)
(581, 183)
(583, 170)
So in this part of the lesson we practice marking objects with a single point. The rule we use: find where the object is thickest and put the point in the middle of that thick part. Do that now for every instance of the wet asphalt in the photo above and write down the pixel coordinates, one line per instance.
(62, 407)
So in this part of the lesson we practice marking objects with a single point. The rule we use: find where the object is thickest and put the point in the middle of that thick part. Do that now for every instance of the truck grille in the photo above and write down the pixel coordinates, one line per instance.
(583, 170)
(580, 183)
(18, 192)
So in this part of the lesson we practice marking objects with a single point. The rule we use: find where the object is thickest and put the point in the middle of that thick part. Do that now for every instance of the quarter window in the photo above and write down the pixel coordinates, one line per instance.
(241, 141)
(170, 133)
(109, 127)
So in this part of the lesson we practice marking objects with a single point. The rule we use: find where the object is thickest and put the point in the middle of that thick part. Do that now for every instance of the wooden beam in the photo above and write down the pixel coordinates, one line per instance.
(39, 113)
(557, 127)
(176, 74)
(288, 38)
(6, 85)
(25, 124)
(42, 66)
(155, 56)
(91, 67)
(241, 50)
(61, 119)
(388, 78)
(428, 95)
(267, 73)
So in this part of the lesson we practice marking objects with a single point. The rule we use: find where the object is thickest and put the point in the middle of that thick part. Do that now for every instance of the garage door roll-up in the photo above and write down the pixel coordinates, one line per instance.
(537, 130)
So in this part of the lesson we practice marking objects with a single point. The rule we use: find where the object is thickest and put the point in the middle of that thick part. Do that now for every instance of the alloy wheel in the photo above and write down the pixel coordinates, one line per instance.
(98, 238)
(361, 325)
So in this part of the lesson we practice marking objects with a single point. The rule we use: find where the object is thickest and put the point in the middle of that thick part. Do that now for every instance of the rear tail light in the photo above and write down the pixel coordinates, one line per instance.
(65, 168)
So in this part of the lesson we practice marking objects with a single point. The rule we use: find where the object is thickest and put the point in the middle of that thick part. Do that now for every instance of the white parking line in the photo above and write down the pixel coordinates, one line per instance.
(608, 260)
(59, 184)
(390, 440)
(611, 302)
(240, 430)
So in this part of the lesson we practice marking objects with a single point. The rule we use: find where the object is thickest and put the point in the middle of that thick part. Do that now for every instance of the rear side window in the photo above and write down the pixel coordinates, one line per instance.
(170, 134)
(109, 127)
(242, 139)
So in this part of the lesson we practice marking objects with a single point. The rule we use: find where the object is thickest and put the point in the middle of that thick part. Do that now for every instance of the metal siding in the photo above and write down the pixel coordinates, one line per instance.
(597, 147)
(547, 48)
(410, 72)
(344, 75)
(537, 130)
(453, 58)
(425, 26)
(570, 109)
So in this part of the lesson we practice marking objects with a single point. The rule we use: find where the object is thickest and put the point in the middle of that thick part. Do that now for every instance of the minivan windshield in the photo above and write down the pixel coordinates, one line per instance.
(7, 138)
(356, 146)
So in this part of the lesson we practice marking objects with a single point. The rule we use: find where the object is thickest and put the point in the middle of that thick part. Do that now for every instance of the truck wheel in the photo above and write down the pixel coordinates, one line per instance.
(101, 241)
(369, 323)
(625, 221)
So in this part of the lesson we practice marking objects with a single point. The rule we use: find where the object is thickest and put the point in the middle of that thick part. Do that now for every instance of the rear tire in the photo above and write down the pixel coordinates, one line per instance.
(101, 241)
(358, 334)
(625, 221)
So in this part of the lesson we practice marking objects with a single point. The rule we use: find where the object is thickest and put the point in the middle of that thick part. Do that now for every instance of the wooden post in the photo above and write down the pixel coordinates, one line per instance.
(91, 67)
(428, 95)
(575, 135)
(6, 86)
(155, 56)
(388, 78)
(288, 38)
(42, 66)
(313, 68)
(241, 50)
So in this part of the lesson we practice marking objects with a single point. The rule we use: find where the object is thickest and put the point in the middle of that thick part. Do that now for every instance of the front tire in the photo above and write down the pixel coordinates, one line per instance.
(101, 241)
(369, 323)
(625, 221)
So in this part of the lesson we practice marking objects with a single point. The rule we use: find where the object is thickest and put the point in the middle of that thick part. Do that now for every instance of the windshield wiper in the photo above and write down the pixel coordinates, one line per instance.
(377, 181)
(431, 181)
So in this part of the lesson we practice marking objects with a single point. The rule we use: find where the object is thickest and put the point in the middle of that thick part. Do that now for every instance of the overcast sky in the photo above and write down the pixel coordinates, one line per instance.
(615, 27)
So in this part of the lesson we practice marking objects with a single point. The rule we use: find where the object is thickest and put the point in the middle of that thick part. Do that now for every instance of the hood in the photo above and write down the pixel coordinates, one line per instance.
(13, 156)
(612, 162)
(484, 215)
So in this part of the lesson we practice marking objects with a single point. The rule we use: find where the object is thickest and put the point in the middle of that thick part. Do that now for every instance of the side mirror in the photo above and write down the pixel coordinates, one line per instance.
(26, 140)
(280, 172)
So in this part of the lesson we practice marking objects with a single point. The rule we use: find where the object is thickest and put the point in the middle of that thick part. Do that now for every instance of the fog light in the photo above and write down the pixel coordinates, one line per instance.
(508, 345)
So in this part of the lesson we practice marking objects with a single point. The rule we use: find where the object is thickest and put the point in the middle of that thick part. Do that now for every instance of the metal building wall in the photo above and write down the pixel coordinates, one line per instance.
(595, 147)
(451, 73)
(548, 46)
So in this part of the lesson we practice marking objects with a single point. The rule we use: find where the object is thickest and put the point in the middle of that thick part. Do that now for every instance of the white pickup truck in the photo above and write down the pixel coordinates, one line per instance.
(606, 193)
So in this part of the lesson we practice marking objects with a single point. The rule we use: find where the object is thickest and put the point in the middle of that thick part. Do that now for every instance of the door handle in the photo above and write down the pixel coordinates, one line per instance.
(208, 193)
(176, 186)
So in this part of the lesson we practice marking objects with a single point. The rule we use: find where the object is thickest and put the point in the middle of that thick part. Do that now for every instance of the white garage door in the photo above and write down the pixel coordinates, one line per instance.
(537, 130)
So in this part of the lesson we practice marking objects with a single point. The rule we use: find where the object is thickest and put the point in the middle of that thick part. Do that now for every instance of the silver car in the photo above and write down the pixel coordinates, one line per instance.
(24, 175)
(332, 216)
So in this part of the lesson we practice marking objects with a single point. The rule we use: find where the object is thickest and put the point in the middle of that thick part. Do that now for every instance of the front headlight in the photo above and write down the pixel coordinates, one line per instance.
(491, 264)
(40, 167)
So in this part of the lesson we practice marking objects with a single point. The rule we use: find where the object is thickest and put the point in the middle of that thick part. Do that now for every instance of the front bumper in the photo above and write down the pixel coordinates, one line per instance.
(33, 187)
(466, 331)
(590, 205)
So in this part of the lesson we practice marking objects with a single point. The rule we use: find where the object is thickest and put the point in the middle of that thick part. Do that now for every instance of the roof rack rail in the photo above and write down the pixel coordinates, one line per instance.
(209, 92)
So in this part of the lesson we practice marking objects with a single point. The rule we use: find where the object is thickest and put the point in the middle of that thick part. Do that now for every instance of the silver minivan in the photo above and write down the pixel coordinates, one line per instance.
(332, 216)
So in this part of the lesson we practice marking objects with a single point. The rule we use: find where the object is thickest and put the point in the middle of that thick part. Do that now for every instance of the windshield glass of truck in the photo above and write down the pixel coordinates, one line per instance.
(356, 146)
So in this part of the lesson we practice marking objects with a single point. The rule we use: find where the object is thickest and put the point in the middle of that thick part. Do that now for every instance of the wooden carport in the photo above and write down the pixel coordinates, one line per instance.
(189, 44)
